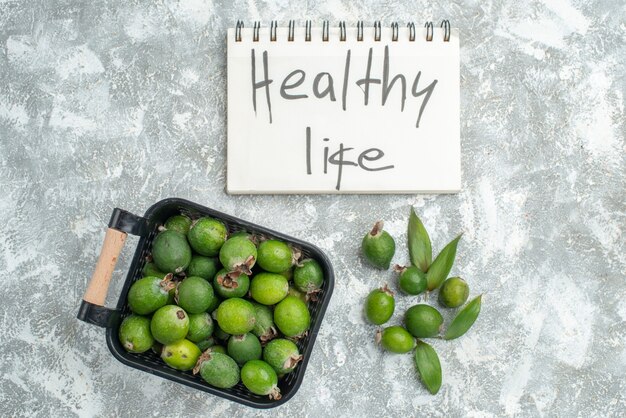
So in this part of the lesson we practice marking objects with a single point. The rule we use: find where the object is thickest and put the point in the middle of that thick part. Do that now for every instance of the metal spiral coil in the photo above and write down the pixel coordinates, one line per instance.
(395, 31)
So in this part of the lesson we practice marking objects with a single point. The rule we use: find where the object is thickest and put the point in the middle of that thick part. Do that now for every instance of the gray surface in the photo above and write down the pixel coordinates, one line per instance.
(115, 103)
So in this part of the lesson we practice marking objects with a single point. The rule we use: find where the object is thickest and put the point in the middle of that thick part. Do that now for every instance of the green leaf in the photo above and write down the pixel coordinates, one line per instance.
(464, 320)
(440, 268)
(420, 249)
(428, 366)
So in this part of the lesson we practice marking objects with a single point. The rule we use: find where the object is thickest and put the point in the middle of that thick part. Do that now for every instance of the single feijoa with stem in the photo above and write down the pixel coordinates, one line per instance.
(201, 266)
(236, 316)
(378, 247)
(379, 305)
(207, 235)
(194, 294)
(308, 276)
(200, 327)
(283, 355)
(274, 256)
(453, 292)
(292, 317)
(411, 280)
(260, 379)
(148, 294)
(217, 369)
(243, 348)
(264, 327)
(135, 334)
(171, 252)
(269, 288)
(181, 355)
(423, 321)
(395, 339)
(238, 254)
(179, 223)
(169, 324)
(231, 285)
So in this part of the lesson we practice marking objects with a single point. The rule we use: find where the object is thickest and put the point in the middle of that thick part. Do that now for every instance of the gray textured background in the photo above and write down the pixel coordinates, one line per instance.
(122, 103)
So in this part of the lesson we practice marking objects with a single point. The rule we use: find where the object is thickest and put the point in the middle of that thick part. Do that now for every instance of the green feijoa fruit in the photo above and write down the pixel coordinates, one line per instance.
(411, 280)
(200, 327)
(420, 249)
(218, 332)
(217, 369)
(395, 339)
(202, 266)
(274, 256)
(238, 254)
(217, 349)
(135, 334)
(423, 321)
(151, 270)
(181, 355)
(231, 285)
(214, 303)
(464, 320)
(378, 247)
(169, 324)
(269, 288)
(148, 294)
(379, 305)
(287, 274)
(206, 236)
(243, 348)
(264, 327)
(236, 316)
(308, 276)
(292, 317)
(204, 344)
(178, 223)
(283, 355)
(440, 268)
(428, 366)
(295, 292)
(194, 294)
(171, 252)
(260, 379)
(453, 292)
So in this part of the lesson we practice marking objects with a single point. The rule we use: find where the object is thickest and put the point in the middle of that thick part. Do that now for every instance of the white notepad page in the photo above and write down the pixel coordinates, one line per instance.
(312, 130)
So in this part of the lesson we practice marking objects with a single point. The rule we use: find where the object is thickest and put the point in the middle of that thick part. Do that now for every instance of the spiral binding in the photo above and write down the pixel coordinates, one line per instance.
(395, 29)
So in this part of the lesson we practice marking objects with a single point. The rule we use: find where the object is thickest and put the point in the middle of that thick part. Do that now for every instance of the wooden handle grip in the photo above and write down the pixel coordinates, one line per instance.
(99, 285)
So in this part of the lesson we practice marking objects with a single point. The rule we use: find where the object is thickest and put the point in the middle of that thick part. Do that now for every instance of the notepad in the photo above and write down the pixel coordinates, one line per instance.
(343, 109)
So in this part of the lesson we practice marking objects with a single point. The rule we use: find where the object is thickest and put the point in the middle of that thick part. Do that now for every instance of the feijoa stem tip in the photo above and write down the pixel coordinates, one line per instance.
(377, 229)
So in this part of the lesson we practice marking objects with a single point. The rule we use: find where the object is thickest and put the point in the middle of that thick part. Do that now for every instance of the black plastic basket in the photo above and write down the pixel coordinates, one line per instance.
(146, 227)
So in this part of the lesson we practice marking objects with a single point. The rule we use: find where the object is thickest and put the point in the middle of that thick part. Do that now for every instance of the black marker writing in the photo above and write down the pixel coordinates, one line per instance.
(428, 91)
(339, 158)
(368, 80)
(265, 83)
(346, 74)
(284, 86)
(329, 90)
(387, 85)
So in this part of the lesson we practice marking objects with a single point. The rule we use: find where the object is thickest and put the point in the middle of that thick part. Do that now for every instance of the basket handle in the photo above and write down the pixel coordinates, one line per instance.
(96, 292)
(92, 308)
